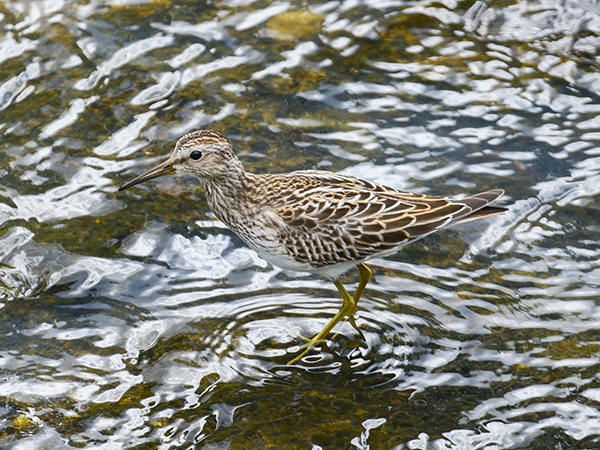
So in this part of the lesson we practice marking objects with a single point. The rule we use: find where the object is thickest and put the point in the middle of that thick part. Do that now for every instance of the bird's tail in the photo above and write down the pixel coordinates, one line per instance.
(479, 206)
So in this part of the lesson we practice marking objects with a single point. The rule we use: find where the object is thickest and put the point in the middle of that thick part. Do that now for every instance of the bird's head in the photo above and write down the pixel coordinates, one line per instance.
(205, 154)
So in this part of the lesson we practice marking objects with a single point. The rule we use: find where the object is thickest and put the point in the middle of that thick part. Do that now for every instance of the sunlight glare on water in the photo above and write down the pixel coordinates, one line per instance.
(136, 320)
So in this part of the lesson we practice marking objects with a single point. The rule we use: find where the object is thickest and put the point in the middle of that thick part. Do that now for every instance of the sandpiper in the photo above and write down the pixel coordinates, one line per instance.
(314, 221)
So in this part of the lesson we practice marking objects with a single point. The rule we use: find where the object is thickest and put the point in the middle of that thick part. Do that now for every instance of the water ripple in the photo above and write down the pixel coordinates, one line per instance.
(135, 320)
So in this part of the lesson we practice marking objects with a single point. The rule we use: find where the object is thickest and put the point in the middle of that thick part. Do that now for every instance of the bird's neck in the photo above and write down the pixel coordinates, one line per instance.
(227, 192)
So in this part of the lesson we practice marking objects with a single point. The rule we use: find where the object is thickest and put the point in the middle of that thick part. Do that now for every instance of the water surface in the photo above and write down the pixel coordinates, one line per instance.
(136, 320)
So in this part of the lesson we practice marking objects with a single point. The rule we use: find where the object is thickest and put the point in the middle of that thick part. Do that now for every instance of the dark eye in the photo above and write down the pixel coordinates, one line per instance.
(196, 155)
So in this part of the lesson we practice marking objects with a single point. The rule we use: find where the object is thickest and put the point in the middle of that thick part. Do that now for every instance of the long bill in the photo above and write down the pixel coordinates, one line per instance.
(165, 168)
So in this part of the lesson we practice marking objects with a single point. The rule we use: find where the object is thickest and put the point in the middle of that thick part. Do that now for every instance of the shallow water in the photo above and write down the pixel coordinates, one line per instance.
(136, 320)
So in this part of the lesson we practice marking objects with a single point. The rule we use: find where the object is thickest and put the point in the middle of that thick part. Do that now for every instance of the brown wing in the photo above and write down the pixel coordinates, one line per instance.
(332, 218)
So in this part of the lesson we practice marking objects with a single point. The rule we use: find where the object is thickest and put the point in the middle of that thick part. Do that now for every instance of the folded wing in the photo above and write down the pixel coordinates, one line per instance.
(332, 218)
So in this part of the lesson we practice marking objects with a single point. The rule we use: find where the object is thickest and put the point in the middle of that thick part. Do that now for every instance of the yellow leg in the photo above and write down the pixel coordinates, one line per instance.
(365, 277)
(348, 309)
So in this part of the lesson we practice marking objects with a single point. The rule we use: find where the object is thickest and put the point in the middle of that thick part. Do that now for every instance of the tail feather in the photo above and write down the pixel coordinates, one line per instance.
(486, 211)
(478, 205)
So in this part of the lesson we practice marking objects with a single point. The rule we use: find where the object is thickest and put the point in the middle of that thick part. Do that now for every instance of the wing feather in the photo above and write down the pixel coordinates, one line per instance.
(333, 218)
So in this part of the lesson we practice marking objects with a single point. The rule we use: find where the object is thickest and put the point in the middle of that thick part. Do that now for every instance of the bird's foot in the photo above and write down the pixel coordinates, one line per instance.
(310, 344)
(352, 320)
(320, 339)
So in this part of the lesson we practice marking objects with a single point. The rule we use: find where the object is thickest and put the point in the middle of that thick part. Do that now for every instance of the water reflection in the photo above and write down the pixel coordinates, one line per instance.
(136, 320)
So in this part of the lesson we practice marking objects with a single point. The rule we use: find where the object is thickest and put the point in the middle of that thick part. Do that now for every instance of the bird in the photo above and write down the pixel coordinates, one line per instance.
(314, 221)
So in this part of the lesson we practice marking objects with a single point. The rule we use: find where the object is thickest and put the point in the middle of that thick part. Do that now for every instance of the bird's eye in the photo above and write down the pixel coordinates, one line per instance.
(196, 155)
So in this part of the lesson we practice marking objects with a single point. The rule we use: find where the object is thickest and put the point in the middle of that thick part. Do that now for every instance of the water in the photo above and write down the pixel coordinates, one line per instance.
(136, 320)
